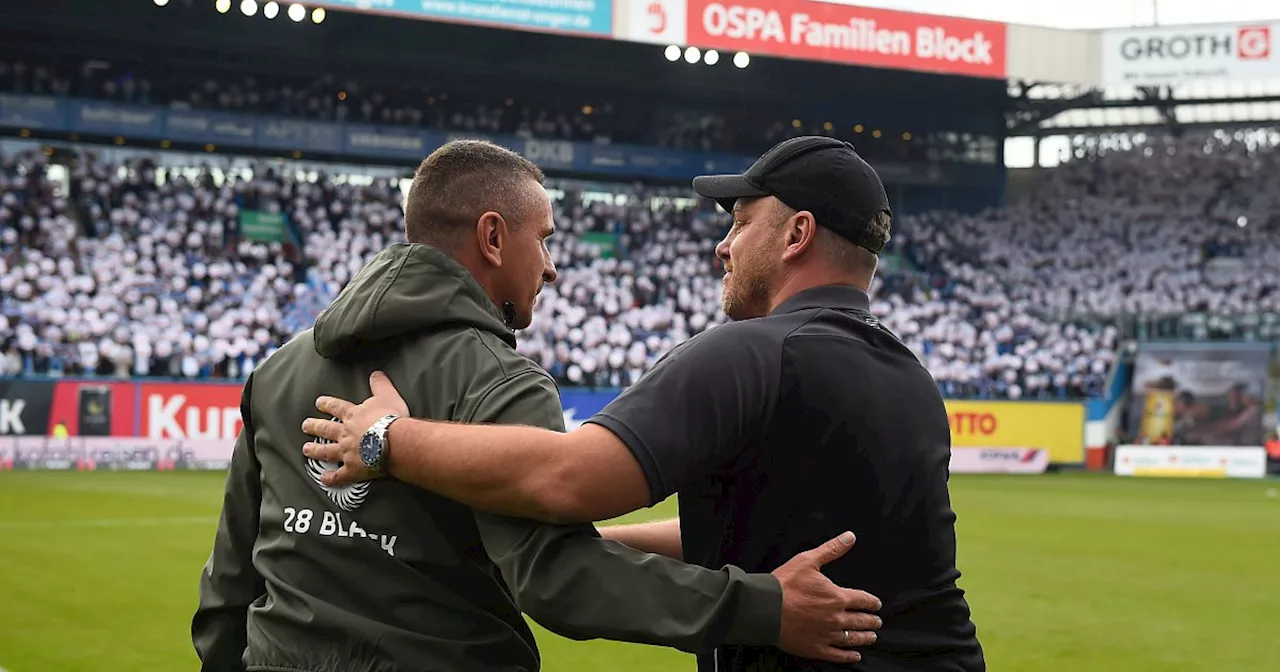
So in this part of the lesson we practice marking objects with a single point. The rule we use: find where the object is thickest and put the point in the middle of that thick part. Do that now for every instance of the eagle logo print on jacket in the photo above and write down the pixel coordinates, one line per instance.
(349, 497)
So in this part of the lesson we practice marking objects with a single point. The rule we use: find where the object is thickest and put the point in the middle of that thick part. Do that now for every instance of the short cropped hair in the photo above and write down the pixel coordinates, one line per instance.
(843, 254)
(461, 181)
(852, 257)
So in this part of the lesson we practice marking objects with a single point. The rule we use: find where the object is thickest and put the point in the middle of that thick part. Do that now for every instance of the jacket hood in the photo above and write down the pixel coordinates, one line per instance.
(407, 288)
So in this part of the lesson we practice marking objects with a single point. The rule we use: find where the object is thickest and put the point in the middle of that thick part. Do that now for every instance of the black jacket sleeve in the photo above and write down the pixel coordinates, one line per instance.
(581, 586)
(700, 407)
(230, 583)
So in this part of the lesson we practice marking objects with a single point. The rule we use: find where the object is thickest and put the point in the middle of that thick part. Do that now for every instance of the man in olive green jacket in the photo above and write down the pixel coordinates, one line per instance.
(438, 585)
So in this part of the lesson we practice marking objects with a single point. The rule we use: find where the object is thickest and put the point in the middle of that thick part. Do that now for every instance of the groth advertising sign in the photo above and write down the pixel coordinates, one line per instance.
(1168, 55)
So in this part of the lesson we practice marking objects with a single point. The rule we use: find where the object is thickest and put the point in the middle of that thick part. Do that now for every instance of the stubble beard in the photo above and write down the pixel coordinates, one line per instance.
(746, 295)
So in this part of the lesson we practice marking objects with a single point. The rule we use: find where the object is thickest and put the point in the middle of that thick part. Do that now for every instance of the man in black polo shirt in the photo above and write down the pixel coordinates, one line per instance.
(801, 418)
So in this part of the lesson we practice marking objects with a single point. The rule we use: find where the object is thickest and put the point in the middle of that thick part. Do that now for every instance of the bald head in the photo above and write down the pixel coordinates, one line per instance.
(459, 183)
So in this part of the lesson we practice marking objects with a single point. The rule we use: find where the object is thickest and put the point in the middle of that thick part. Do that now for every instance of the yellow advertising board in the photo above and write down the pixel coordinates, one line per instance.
(1057, 427)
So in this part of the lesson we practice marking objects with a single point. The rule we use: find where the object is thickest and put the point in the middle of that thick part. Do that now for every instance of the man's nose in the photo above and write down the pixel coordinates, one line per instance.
(722, 249)
(549, 273)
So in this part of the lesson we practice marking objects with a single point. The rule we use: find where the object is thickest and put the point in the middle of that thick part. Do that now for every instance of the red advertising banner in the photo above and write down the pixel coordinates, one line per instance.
(190, 411)
(818, 31)
(92, 408)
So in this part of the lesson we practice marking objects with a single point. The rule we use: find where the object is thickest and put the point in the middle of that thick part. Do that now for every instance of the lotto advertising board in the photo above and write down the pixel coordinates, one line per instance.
(819, 31)
(1144, 56)
(1055, 428)
(1191, 462)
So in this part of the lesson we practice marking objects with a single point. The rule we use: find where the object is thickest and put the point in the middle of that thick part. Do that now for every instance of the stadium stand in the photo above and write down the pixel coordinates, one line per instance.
(336, 98)
(141, 270)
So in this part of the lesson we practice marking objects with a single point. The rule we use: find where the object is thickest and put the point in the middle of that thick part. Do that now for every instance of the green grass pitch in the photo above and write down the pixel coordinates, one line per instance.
(1064, 572)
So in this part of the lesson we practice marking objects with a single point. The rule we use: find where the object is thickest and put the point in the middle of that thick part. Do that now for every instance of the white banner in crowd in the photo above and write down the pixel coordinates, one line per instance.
(966, 460)
(1192, 461)
(1146, 56)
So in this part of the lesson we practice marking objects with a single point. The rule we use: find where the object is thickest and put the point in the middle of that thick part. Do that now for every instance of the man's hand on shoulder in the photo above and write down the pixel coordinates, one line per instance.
(345, 431)
(821, 620)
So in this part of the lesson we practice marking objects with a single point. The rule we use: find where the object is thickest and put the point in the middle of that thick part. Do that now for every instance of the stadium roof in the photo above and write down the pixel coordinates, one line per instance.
(1041, 109)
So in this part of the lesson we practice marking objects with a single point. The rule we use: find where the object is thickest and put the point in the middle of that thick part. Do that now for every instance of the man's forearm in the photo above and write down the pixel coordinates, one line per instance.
(581, 476)
(583, 587)
(661, 537)
(510, 470)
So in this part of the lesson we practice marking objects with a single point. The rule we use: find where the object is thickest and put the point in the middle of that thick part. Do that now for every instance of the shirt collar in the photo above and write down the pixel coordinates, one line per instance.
(827, 296)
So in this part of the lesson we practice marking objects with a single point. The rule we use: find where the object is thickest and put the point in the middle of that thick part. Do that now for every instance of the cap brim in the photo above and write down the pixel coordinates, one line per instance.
(721, 187)
(726, 189)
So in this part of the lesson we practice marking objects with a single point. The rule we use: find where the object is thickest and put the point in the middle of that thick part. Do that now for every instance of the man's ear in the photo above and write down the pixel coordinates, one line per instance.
(491, 233)
(799, 232)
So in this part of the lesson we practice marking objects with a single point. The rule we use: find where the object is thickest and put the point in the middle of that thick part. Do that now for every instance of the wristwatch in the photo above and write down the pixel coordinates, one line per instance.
(373, 445)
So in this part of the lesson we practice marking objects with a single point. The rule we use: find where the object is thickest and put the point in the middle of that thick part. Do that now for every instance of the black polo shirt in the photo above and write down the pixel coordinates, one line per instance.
(781, 432)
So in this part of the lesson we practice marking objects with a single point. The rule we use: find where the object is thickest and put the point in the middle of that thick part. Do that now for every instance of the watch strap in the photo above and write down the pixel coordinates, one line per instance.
(379, 431)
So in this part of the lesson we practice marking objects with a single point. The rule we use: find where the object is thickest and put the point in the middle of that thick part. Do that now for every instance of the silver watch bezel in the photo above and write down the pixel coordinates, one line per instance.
(378, 432)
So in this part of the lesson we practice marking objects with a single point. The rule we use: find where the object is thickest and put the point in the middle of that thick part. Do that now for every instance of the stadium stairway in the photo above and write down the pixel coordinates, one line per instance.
(1103, 414)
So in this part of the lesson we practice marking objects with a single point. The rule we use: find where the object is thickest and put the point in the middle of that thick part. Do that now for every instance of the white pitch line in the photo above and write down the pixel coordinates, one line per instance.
(104, 522)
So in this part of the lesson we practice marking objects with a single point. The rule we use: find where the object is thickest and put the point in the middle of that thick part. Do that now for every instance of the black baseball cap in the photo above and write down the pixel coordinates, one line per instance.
(822, 175)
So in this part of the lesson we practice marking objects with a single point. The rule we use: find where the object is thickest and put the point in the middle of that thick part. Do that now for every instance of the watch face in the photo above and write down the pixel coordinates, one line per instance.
(370, 450)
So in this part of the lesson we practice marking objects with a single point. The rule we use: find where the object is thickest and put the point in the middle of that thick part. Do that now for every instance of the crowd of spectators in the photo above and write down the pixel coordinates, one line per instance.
(1131, 232)
(132, 269)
